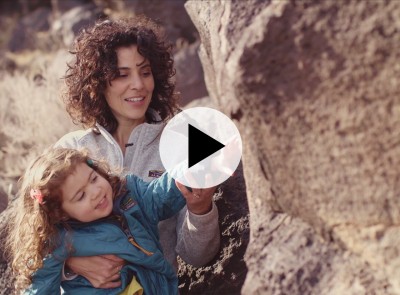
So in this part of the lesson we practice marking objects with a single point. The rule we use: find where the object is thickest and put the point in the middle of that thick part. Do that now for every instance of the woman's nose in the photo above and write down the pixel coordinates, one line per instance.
(136, 82)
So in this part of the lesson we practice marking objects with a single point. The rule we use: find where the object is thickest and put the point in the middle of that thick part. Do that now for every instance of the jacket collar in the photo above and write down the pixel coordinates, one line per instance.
(156, 116)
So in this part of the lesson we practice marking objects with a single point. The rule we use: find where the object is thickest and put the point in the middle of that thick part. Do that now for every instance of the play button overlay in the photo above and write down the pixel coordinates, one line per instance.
(200, 147)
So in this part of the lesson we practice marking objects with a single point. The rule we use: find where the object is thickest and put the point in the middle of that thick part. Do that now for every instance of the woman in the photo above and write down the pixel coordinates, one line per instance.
(120, 87)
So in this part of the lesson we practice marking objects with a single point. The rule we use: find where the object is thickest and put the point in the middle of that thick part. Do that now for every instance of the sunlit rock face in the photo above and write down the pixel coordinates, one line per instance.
(314, 88)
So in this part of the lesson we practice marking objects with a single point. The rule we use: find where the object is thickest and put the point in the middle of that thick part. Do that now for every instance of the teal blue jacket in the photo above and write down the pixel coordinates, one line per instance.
(139, 211)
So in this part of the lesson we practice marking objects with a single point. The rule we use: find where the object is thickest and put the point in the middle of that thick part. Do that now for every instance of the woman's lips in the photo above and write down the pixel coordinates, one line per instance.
(135, 99)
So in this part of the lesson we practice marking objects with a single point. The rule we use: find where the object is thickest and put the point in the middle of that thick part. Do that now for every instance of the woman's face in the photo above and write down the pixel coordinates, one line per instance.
(130, 93)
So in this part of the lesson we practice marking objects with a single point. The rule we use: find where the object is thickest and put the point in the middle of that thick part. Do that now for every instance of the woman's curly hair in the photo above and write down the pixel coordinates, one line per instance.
(32, 232)
(96, 64)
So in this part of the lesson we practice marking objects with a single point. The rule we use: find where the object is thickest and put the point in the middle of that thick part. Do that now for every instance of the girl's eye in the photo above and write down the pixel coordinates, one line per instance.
(81, 197)
(94, 178)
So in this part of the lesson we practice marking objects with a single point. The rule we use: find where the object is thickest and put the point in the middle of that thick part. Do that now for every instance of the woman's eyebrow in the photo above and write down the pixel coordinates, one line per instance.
(143, 63)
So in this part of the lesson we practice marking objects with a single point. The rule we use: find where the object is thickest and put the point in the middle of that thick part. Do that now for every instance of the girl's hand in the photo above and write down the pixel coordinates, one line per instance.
(101, 271)
(198, 201)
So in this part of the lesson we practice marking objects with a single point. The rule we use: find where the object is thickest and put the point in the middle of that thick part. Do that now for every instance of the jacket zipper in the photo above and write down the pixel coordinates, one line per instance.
(115, 144)
(130, 237)
(133, 242)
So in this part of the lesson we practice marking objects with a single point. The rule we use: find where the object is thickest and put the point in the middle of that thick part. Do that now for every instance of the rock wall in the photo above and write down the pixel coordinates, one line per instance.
(314, 89)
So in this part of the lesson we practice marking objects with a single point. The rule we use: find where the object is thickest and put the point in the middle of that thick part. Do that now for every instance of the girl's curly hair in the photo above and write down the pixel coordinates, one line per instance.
(95, 65)
(33, 228)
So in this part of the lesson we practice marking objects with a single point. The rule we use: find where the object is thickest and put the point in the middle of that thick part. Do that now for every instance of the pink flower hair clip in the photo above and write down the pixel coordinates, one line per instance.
(37, 195)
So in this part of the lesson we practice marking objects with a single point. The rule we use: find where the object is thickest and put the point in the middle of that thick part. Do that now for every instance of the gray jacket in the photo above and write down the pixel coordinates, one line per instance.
(195, 238)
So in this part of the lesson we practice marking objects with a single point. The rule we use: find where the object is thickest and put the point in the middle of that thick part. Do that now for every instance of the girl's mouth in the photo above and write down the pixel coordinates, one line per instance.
(102, 204)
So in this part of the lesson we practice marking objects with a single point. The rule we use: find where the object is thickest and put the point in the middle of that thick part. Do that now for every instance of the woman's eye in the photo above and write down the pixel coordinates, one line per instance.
(146, 74)
(94, 178)
(122, 75)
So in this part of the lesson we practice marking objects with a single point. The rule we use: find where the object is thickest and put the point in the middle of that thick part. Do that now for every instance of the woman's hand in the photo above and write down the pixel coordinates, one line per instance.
(198, 201)
(101, 271)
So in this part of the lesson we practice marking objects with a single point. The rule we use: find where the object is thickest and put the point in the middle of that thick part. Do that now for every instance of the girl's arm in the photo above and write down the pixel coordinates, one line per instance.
(47, 279)
(159, 199)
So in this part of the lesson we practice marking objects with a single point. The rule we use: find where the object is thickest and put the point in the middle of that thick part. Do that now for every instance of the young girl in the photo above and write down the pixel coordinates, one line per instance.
(70, 205)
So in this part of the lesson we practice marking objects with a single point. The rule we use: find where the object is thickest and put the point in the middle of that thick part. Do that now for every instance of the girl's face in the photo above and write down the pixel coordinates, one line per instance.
(130, 93)
(86, 195)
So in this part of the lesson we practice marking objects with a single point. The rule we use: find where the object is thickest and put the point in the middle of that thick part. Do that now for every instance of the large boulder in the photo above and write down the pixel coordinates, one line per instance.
(314, 88)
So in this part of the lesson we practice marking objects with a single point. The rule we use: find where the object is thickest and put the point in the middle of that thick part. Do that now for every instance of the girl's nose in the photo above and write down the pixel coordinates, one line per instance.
(95, 192)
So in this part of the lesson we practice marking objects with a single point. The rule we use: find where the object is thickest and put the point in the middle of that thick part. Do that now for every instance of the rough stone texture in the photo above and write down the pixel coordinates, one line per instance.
(70, 23)
(23, 34)
(314, 87)
(189, 74)
(170, 14)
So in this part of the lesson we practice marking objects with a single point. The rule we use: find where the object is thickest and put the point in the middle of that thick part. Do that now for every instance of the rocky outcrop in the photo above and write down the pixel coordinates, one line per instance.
(314, 89)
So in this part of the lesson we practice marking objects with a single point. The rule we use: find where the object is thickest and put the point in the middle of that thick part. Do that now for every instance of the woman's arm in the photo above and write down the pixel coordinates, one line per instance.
(101, 271)
(198, 235)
